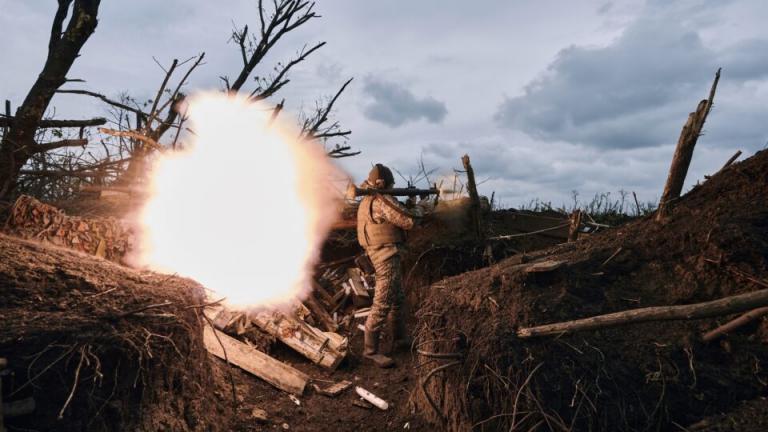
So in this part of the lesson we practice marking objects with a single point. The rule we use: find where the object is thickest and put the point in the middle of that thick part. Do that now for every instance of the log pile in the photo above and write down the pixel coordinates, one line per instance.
(107, 238)
(318, 327)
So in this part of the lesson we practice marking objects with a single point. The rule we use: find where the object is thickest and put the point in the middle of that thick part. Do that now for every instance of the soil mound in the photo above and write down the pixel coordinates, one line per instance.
(101, 347)
(654, 376)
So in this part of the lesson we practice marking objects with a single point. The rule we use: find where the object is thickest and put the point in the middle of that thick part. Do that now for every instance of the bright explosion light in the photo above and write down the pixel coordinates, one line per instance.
(244, 209)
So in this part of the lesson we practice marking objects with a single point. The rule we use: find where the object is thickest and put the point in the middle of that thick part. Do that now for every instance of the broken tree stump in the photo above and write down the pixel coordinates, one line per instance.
(253, 361)
(326, 349)
(473, 196)
(684, 151)
(573, 230)
(725, 306)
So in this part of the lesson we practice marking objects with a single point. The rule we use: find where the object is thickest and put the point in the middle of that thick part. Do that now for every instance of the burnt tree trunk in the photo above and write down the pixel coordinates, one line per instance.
(18, 143)
(684, 151)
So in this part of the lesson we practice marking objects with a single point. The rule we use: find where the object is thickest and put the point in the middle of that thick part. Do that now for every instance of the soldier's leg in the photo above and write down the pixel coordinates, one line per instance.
(397, 332)
(387, 280)
(382, 303)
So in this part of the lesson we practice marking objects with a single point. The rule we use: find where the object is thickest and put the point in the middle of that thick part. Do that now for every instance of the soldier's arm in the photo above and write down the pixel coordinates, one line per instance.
(395, 213)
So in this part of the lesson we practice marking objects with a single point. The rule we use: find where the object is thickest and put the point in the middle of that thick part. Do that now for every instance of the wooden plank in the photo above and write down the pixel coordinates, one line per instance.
(253, 361)
(334, 389)
(360, 296)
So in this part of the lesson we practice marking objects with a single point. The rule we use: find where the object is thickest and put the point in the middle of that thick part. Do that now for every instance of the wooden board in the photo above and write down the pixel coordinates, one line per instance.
(251, 360)
(360, 296)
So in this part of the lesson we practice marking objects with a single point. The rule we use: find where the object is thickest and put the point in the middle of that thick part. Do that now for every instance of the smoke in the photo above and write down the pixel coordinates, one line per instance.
(244, 209)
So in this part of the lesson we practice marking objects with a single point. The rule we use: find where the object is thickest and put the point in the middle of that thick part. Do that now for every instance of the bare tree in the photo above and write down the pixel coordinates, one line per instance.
(119, 155)
(19, 142)
(287, 16)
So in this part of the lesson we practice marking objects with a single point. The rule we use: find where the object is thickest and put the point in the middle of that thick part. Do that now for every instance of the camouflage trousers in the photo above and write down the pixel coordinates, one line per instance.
(389, 295)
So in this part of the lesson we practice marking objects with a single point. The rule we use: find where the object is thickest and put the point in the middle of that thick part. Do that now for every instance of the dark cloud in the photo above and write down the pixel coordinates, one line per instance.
(635, 92)
(394, 105)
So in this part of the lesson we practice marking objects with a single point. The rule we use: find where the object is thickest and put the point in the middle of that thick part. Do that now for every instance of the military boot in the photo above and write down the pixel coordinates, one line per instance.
(371, 350)
(398, 337)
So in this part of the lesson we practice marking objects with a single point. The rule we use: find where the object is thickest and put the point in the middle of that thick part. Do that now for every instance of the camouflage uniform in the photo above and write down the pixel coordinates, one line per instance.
(382, 221)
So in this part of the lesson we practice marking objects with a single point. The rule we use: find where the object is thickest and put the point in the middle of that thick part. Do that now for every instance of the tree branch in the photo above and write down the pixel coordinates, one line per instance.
(278, 82)
(289, 14)
(311, 129)
(106, 100)
(44, 147)
(132, 134)
(8, 121)
(725, 306)
(58, 22)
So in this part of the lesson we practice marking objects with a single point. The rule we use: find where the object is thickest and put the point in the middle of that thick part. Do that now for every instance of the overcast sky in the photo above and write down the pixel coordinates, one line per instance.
(547, 96)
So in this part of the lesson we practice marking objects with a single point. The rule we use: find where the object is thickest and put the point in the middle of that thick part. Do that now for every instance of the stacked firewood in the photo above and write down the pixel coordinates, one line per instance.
(104, 237)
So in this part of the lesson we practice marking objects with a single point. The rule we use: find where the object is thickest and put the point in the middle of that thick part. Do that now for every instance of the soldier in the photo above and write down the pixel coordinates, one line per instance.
(381, 225)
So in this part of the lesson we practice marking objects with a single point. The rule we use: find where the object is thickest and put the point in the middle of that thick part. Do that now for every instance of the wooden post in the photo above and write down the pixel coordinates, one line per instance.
(473, 196)
(725, 306)
(8, 117)
(573, 231)
(684, 151)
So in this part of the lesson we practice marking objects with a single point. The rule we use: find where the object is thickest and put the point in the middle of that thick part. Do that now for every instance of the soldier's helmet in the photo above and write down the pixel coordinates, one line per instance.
(380, 177)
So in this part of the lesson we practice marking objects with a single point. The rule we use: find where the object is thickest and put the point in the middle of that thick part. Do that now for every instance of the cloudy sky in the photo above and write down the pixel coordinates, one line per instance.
(547, 97)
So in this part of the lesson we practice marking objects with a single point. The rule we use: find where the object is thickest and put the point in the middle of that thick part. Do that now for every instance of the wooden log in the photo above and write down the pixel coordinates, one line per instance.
(251, 360)
(684, 151)
(725, 306)
(734, 324)
(473, 196)
(324, 349)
